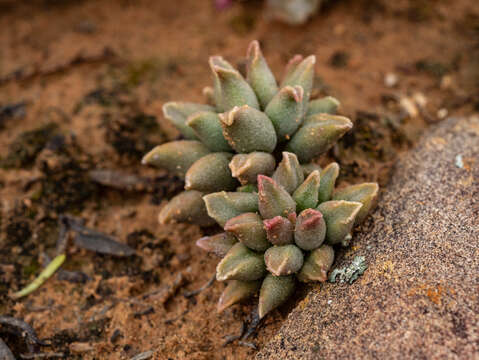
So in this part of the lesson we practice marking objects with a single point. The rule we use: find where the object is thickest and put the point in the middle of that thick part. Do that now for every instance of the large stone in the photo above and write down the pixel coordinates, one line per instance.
(419, 298)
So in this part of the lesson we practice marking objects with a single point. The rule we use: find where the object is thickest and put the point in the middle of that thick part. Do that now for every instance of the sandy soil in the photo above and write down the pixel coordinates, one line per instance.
(89, 77)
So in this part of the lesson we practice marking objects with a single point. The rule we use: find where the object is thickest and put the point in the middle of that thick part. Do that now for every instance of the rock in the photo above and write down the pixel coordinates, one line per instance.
(419, 297)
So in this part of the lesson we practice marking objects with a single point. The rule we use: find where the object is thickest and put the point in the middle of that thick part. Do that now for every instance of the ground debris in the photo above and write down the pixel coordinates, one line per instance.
(164, 293)
(230, 338)
(118, 180)
(351, 272)
(49, 355)
(14, 110)
(77, 277)
(188, 294)
(101, 243)
(21, 328)
(143, 356)
(80, 347)
(253, 325)
(248, 344)
(96, 241)
(171, 320)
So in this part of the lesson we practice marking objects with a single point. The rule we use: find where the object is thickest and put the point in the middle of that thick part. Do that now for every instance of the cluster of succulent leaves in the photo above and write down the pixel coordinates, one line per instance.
(281, 220)
(283, 232)
(247, 125)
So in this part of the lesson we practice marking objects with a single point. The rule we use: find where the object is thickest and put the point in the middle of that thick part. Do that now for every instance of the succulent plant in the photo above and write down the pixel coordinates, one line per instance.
(239, 135)
(284, 232)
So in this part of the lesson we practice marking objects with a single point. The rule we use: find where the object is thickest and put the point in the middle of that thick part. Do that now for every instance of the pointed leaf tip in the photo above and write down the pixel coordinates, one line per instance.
(306, 195)
(283, 260)
(285, 110)
(327, 182)
(248, 229)
(187, 206)
(246, 167)
(289, 173)
(303, 75)
(211, 173)
(248, 129)
(237, 291)
(223, 205)
(317, 264)
(274, 200)
(230, 88)
(259, 75)
(176, 156)
(241, 263)
(339, 216)
(318, 133)
(310, 230)
(365, 193)
(177, 113)
(218, 244)
(207, 127)
(275, 290)
(279, 230)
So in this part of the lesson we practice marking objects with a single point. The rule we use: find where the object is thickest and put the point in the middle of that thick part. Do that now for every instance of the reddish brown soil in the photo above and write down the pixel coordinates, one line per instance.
(98, 68)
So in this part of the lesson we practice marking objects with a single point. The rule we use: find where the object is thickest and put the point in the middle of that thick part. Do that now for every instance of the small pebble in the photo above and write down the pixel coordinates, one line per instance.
(442, 113)
(420, 99)
(391, 80)
(79, 347)
(459, 162)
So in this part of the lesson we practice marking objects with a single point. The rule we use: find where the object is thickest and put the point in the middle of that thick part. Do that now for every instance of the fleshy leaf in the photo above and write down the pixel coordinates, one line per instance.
(211, 173)
(326, 104)
(339, 216)
(247, 129)
(247, 167)
(237, 291)
(310, 229)
(291, 67)
(318, 133)
(207, 127)
(302, 75)
(187, 206)
(259, 75)
(275, 290)
(176, 156)
(285, 111)
(273, 199)
(283, 260)
(223, 205)
(365, 193)
(231, 89)
(317, 264)
(248, 229)
(218, 244)
(328, 179)
(306, 195)
(241, 263)
(289, 174)
(177, 112)
(279, 230)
